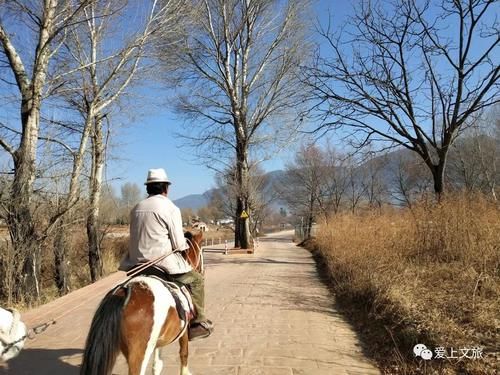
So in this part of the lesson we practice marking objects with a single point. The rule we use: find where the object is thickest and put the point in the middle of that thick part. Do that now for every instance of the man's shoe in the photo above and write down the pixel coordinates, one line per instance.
(199, 331)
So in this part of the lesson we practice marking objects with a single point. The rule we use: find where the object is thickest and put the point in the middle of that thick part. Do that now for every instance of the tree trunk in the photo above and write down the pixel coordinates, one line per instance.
(310, 216)
(20, 219)
(246, 241)
(93, 223)
(438, 176)
(26, 249)
(60, 251)
(242, 229)
(60, 243)
(94, 249)
(237, 225)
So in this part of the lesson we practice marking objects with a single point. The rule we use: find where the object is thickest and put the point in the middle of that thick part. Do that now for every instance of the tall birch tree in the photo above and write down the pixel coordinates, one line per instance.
(239, 68)
(109, 58)
(45, 24)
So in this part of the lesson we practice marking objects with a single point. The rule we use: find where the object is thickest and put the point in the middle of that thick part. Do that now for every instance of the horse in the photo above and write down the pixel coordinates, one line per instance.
(139, 317)
(13, 334)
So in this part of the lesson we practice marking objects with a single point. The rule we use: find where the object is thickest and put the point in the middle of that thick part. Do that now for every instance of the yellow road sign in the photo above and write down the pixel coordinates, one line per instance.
(244, 215)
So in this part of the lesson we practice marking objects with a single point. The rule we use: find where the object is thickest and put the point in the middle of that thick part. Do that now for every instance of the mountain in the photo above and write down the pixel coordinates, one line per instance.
(393, 171)
(195, 201)
(389, 163)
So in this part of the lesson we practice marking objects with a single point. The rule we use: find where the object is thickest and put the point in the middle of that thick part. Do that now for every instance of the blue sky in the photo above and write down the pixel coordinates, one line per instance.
(147, 139)
(150, 142)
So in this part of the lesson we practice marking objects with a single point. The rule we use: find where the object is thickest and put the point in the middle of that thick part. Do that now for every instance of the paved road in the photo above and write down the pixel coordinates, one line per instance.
(273, 317)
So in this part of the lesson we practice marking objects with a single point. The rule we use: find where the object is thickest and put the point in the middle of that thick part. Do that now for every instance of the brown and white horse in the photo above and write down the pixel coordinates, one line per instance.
(138, 318)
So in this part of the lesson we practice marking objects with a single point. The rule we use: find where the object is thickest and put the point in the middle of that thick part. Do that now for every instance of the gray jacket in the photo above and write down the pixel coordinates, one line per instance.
(155, 230)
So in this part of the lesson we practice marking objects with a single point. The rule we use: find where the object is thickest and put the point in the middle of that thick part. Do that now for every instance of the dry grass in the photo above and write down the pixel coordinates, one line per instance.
(429, 275)
(112, 249)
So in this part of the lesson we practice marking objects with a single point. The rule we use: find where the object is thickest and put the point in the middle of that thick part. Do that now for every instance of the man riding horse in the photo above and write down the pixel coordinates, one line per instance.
(156, 230)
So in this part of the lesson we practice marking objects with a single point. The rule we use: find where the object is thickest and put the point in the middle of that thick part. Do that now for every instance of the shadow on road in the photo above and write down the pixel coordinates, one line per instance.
(43, 362)
(229, 259)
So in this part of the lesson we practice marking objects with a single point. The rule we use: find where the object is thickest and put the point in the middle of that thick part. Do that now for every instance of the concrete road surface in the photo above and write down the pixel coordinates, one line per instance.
(272, 316)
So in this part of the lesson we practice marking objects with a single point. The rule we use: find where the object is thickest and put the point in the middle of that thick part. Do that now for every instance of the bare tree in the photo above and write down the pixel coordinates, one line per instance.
(105, 64)
(131, 194)
(47, 22)
(468, 168)
(302, 186)
(474, 159)
(224, 198)
(187, 214)
(416, 74)
(408, 180)
(110, 210)
(260, 197)
(240, 62)
(373, 182)
(356, 189)
(335, 182)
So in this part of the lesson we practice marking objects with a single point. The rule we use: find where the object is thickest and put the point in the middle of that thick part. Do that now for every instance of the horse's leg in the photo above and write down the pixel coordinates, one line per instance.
(137, 327)
(183, 352)
(157, 362)
(135, 358)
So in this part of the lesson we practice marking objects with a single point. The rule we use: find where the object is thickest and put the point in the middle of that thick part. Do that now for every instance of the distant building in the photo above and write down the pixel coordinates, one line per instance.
(226, 221)
(200, 225)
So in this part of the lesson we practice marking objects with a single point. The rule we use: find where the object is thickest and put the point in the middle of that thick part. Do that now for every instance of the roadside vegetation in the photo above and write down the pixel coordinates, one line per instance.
(429, 274)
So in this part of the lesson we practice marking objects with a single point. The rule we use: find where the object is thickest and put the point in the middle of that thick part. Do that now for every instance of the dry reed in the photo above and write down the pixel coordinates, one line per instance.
(427, 275)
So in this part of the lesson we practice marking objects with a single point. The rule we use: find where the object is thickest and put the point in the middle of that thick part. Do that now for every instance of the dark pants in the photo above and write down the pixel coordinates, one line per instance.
(196, 284)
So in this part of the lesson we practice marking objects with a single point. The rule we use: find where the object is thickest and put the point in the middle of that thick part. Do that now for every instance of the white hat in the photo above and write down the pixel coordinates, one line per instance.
(157, 175)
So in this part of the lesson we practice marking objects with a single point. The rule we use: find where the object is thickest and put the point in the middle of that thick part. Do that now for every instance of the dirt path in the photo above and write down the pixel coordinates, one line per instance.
(273, 316)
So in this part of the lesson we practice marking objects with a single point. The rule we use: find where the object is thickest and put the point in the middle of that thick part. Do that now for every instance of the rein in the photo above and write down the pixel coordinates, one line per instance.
(30, 333)
(147, 264)
(150, 263)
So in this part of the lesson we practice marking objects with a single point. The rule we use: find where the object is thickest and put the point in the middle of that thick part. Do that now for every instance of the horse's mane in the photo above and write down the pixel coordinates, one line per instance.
(194, 237)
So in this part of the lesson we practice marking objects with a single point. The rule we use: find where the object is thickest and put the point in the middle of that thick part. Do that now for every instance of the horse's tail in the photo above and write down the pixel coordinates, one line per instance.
(103, 340)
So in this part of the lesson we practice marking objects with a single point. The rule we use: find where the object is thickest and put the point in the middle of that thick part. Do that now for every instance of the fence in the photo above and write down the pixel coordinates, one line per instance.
(225, 246)
(212, 241)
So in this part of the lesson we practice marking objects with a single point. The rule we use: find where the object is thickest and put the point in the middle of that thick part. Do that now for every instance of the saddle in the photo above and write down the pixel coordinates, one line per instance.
(181, 293)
